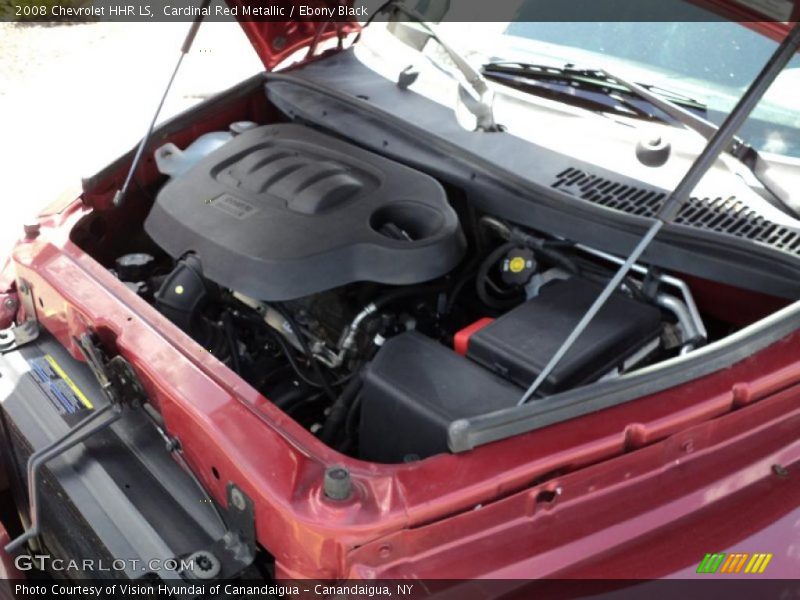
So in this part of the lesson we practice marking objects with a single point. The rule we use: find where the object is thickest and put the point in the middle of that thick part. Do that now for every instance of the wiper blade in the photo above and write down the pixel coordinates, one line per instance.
(671, 103)
(674, 109)
(588, 92)
(596, 79)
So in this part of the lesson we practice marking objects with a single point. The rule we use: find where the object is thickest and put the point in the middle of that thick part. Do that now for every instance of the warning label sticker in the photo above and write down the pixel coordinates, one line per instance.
(65, 396)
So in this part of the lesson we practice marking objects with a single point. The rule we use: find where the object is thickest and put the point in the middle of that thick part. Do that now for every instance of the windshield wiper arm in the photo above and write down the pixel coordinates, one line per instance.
(479, 97)
(670, 103)
(738, 148)
(684, 116)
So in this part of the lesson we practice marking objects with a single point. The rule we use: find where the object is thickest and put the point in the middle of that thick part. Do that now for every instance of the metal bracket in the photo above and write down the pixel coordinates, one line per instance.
(236, 549)
(116, 376)
(25, 332)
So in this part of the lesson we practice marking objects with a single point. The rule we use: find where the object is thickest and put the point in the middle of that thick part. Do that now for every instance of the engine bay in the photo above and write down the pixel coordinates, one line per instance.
(369, 301)
(366, 335)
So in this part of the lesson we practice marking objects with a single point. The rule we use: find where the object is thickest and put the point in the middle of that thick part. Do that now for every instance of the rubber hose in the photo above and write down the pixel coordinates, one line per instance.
(339, 410)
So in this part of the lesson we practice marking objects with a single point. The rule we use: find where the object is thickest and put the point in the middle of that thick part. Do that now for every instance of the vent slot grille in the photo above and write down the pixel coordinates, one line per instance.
(722, 215)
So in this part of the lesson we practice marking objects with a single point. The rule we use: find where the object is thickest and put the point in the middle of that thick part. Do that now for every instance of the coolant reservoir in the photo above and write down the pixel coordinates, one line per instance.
(173, 161)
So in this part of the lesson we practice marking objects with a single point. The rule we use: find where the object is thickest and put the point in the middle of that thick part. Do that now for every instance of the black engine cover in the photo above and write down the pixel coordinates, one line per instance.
(283, 211)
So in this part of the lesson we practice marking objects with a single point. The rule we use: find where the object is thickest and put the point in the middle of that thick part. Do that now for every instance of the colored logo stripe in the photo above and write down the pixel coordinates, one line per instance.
(711, 563)
(758, 563)
(734, 563)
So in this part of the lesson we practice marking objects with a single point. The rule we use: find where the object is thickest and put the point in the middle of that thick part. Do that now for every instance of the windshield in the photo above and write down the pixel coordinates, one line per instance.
(703, 58)
(712, 62)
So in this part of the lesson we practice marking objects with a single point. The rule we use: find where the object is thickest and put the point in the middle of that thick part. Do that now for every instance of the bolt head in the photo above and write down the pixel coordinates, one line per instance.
(204, 565)
(780, 471)
(337, 483)
(237, 499)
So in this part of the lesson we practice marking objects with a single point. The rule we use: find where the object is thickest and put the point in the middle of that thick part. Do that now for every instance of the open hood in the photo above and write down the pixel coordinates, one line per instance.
(275, 41)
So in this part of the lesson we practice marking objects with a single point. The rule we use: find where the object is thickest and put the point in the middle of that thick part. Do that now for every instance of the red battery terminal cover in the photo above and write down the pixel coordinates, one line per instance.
(461, 339)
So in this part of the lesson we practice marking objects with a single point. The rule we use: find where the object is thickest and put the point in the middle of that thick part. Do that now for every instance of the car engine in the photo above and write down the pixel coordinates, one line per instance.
(370, 302)
(282, 212)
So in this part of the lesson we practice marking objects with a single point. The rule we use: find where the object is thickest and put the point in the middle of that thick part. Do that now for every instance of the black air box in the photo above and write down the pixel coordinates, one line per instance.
(520, 343)
(414, 389)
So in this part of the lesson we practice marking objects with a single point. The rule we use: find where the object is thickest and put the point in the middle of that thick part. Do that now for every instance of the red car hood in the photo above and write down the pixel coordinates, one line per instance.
(276, 41)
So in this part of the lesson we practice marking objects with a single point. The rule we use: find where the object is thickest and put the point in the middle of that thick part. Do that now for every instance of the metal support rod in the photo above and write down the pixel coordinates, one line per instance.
(595, 308)
(669, 210)
(725, 134)
(82, 431)
(119, 197)
(480, 97)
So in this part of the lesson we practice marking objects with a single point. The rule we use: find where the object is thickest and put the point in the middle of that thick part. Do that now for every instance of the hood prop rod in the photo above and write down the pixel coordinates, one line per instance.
(669, 210)
(119, 197)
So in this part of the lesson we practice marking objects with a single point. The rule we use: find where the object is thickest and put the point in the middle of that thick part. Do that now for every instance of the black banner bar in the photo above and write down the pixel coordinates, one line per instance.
(363, 10)
(714, 587)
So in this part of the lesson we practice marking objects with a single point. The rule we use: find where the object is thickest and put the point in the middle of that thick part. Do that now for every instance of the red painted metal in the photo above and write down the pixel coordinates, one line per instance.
(291, 37)
(227, 427)
(646, 514)
(749, 15)
(8, 570)
(274, 42)
(730, 304)
(461, 339)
